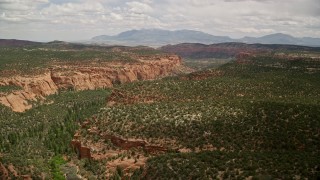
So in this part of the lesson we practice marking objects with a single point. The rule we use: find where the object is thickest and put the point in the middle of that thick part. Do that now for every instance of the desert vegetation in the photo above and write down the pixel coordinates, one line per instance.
(259, 119)
(30, 140)
(253, 117)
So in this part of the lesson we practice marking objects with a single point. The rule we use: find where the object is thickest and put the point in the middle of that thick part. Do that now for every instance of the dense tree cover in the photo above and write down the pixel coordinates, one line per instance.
(258, 80)
(33, 138)
(234, 165)
(9, 88)
(205, 63)
(232, 125)
(259, 119)
(55, 164)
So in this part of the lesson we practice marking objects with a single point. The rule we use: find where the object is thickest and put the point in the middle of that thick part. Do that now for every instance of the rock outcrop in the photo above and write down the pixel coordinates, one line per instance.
(82, 151)
(83, 77)
(33, 88)
(4, 173)
(92, 77)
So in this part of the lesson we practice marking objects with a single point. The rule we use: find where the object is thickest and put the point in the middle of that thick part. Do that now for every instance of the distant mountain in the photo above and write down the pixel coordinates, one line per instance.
(228, 50)
(159, 37)
(17, 43)
(277, 38)
(280, 38)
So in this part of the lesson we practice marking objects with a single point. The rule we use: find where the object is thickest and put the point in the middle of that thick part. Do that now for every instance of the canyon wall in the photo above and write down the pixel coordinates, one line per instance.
(83, 77)
(32, 89)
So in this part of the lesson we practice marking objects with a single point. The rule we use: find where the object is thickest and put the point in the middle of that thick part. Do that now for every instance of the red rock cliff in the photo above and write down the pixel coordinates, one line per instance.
(33, 88)
(82, 77)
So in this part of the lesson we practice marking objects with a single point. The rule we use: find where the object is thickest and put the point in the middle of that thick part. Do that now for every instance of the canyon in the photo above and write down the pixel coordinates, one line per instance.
(84, 76)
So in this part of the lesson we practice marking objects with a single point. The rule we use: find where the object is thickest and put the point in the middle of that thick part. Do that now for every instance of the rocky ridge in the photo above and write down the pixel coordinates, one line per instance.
(84, 77)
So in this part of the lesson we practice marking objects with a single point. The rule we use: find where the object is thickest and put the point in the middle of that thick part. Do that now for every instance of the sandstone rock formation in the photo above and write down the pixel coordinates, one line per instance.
(4, 173)
(83, 77)
(33, 88)
(82, 151)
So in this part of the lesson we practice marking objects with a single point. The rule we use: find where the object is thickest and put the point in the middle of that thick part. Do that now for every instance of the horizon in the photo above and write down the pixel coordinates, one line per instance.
(79, 41)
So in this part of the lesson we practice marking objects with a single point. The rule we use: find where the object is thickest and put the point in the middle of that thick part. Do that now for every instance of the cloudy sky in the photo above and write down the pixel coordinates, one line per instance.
(45, 20)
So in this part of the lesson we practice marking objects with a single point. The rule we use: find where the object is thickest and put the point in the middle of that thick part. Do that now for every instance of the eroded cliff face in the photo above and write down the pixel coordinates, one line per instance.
(84, 77)
(106, 74)
(33, 88)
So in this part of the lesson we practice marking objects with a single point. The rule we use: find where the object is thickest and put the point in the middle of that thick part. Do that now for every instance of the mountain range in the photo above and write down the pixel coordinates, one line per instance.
(160, 37)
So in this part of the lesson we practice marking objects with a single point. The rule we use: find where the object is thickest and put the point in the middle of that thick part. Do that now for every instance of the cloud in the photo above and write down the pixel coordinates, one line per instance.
(259, 1)
(116, 16)
(201, 3)
(73, 9)
(20, 5)
(75, 19)
(20, 11)
(139, 7)
(255, 30)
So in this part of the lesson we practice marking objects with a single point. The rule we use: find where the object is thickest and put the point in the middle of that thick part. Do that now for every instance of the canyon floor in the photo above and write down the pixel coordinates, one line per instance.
(188, 111)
